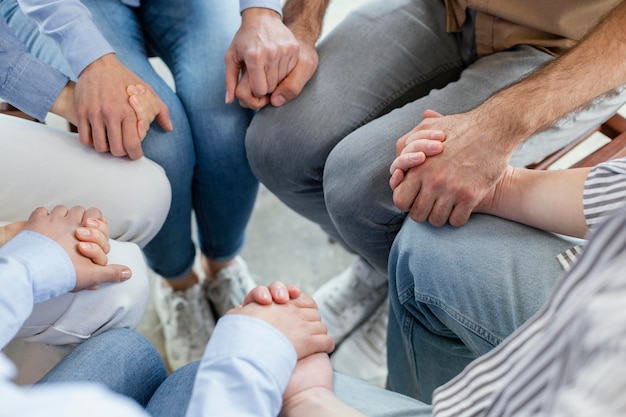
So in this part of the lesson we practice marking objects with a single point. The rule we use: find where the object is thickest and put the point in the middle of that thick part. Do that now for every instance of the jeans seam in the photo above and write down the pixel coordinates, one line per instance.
(459, 318)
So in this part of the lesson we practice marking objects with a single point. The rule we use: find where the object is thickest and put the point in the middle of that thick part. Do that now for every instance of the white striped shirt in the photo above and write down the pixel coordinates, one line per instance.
(605, 192)
(569, 359)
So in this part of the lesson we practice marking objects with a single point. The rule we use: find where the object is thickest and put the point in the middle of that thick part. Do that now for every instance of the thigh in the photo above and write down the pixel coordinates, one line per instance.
(374, 401)
(381, 56)
(458, 292)
(43, 167)
(122, 360)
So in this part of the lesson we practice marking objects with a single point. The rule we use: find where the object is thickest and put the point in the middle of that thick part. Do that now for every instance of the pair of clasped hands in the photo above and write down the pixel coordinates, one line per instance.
(439, 180)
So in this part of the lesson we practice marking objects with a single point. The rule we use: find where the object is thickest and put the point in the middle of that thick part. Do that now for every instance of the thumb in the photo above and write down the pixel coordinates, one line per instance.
(233, 68)
(163, 118)
(102, 274)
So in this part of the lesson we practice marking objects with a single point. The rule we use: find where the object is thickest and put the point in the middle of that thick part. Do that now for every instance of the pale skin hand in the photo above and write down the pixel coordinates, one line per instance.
(86, 248)
(548, 200)
(105, 118)
(265, 50)
(303, 21)
(310, 391)
(302, 325)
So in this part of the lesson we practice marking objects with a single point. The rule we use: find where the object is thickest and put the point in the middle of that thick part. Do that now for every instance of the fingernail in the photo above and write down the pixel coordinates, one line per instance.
(92, 223)
(125, 275)
(83, 231)
(227, 98)
(279, 100)
(280, 293)
(85, 245)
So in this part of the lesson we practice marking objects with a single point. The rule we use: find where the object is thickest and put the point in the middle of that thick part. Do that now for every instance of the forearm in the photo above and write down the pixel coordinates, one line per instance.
(317, 402)
(548, 200)
(589, 70)
(305, 18)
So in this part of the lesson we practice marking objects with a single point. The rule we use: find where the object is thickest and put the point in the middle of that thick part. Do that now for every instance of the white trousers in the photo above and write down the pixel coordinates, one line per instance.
(42, 166)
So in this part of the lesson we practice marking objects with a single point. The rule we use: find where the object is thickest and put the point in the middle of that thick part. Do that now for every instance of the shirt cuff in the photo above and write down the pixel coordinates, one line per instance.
(50, 268)
(266, 4)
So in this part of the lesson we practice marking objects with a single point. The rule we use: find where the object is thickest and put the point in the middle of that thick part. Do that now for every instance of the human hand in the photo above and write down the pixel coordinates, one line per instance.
(449, 187)
(105, 117)
(87, 253)
(313, 375)
(261, 54)
(276, 292)
(301, 324)
(412, 150)
(145, 103)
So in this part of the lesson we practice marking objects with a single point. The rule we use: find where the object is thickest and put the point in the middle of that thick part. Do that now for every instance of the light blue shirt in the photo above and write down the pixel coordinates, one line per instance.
(70, 24)
(18, 72)
(244, 371)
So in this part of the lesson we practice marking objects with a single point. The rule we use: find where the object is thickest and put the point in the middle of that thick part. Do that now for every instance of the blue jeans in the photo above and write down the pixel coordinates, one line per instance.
(204, 157)
(327, 154)
(456, 293)
(120, 359)
(125, 362)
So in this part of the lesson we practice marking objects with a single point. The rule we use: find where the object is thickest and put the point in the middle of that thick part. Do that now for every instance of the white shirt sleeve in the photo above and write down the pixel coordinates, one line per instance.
(244, 372)
(33, 268)
(266, 4)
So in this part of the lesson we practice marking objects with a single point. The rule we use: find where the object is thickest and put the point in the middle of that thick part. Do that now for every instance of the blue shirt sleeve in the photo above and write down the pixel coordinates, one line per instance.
(25, 82)
(70, 24)
(245, 370)
(266, 4)
(33, 268)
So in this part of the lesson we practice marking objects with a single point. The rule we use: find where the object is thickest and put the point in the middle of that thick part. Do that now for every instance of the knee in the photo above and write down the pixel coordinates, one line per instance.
(138, 220)
(280, 155)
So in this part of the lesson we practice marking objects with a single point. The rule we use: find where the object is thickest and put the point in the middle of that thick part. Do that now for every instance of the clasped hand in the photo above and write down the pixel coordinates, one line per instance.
(448, 187)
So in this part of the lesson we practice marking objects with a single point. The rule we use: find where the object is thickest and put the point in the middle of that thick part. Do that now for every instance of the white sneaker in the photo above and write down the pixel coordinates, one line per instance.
(350, 298)
(187, 323)
(229, 288)
(363, 354)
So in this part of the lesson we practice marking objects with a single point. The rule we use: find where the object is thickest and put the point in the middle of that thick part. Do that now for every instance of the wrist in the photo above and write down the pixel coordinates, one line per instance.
(310, 399)
(64, 104)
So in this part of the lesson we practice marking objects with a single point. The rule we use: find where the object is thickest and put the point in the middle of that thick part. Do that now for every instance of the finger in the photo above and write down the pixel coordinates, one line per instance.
(95, 236)
(290, 87)
(92, 213)
(435, 135)
(258, 77)
(163, 118)
(131, 138)
(279, 291)
(245, 96)
(260, 295)
(63, 211)
(84, 132)
(321, 343)
(305, 301)
(422, 206)
(294, 291)
(460, 214)
(93, 252)
(406, 161)
(109, 273)
(396, 178)
(429, 113)
(405, 193)
(233, 69)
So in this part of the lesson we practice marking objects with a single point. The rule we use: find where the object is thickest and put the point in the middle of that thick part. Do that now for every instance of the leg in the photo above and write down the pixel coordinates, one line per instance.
(457, 293)
(374, 401)
(172, 397)
(122, 360)
(63, 171)
(192, 38)
(288, 146)
(57, 325)
(171, 253)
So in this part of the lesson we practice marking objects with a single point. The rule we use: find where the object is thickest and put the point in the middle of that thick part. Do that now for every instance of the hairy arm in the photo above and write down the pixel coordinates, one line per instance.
(449, 187)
